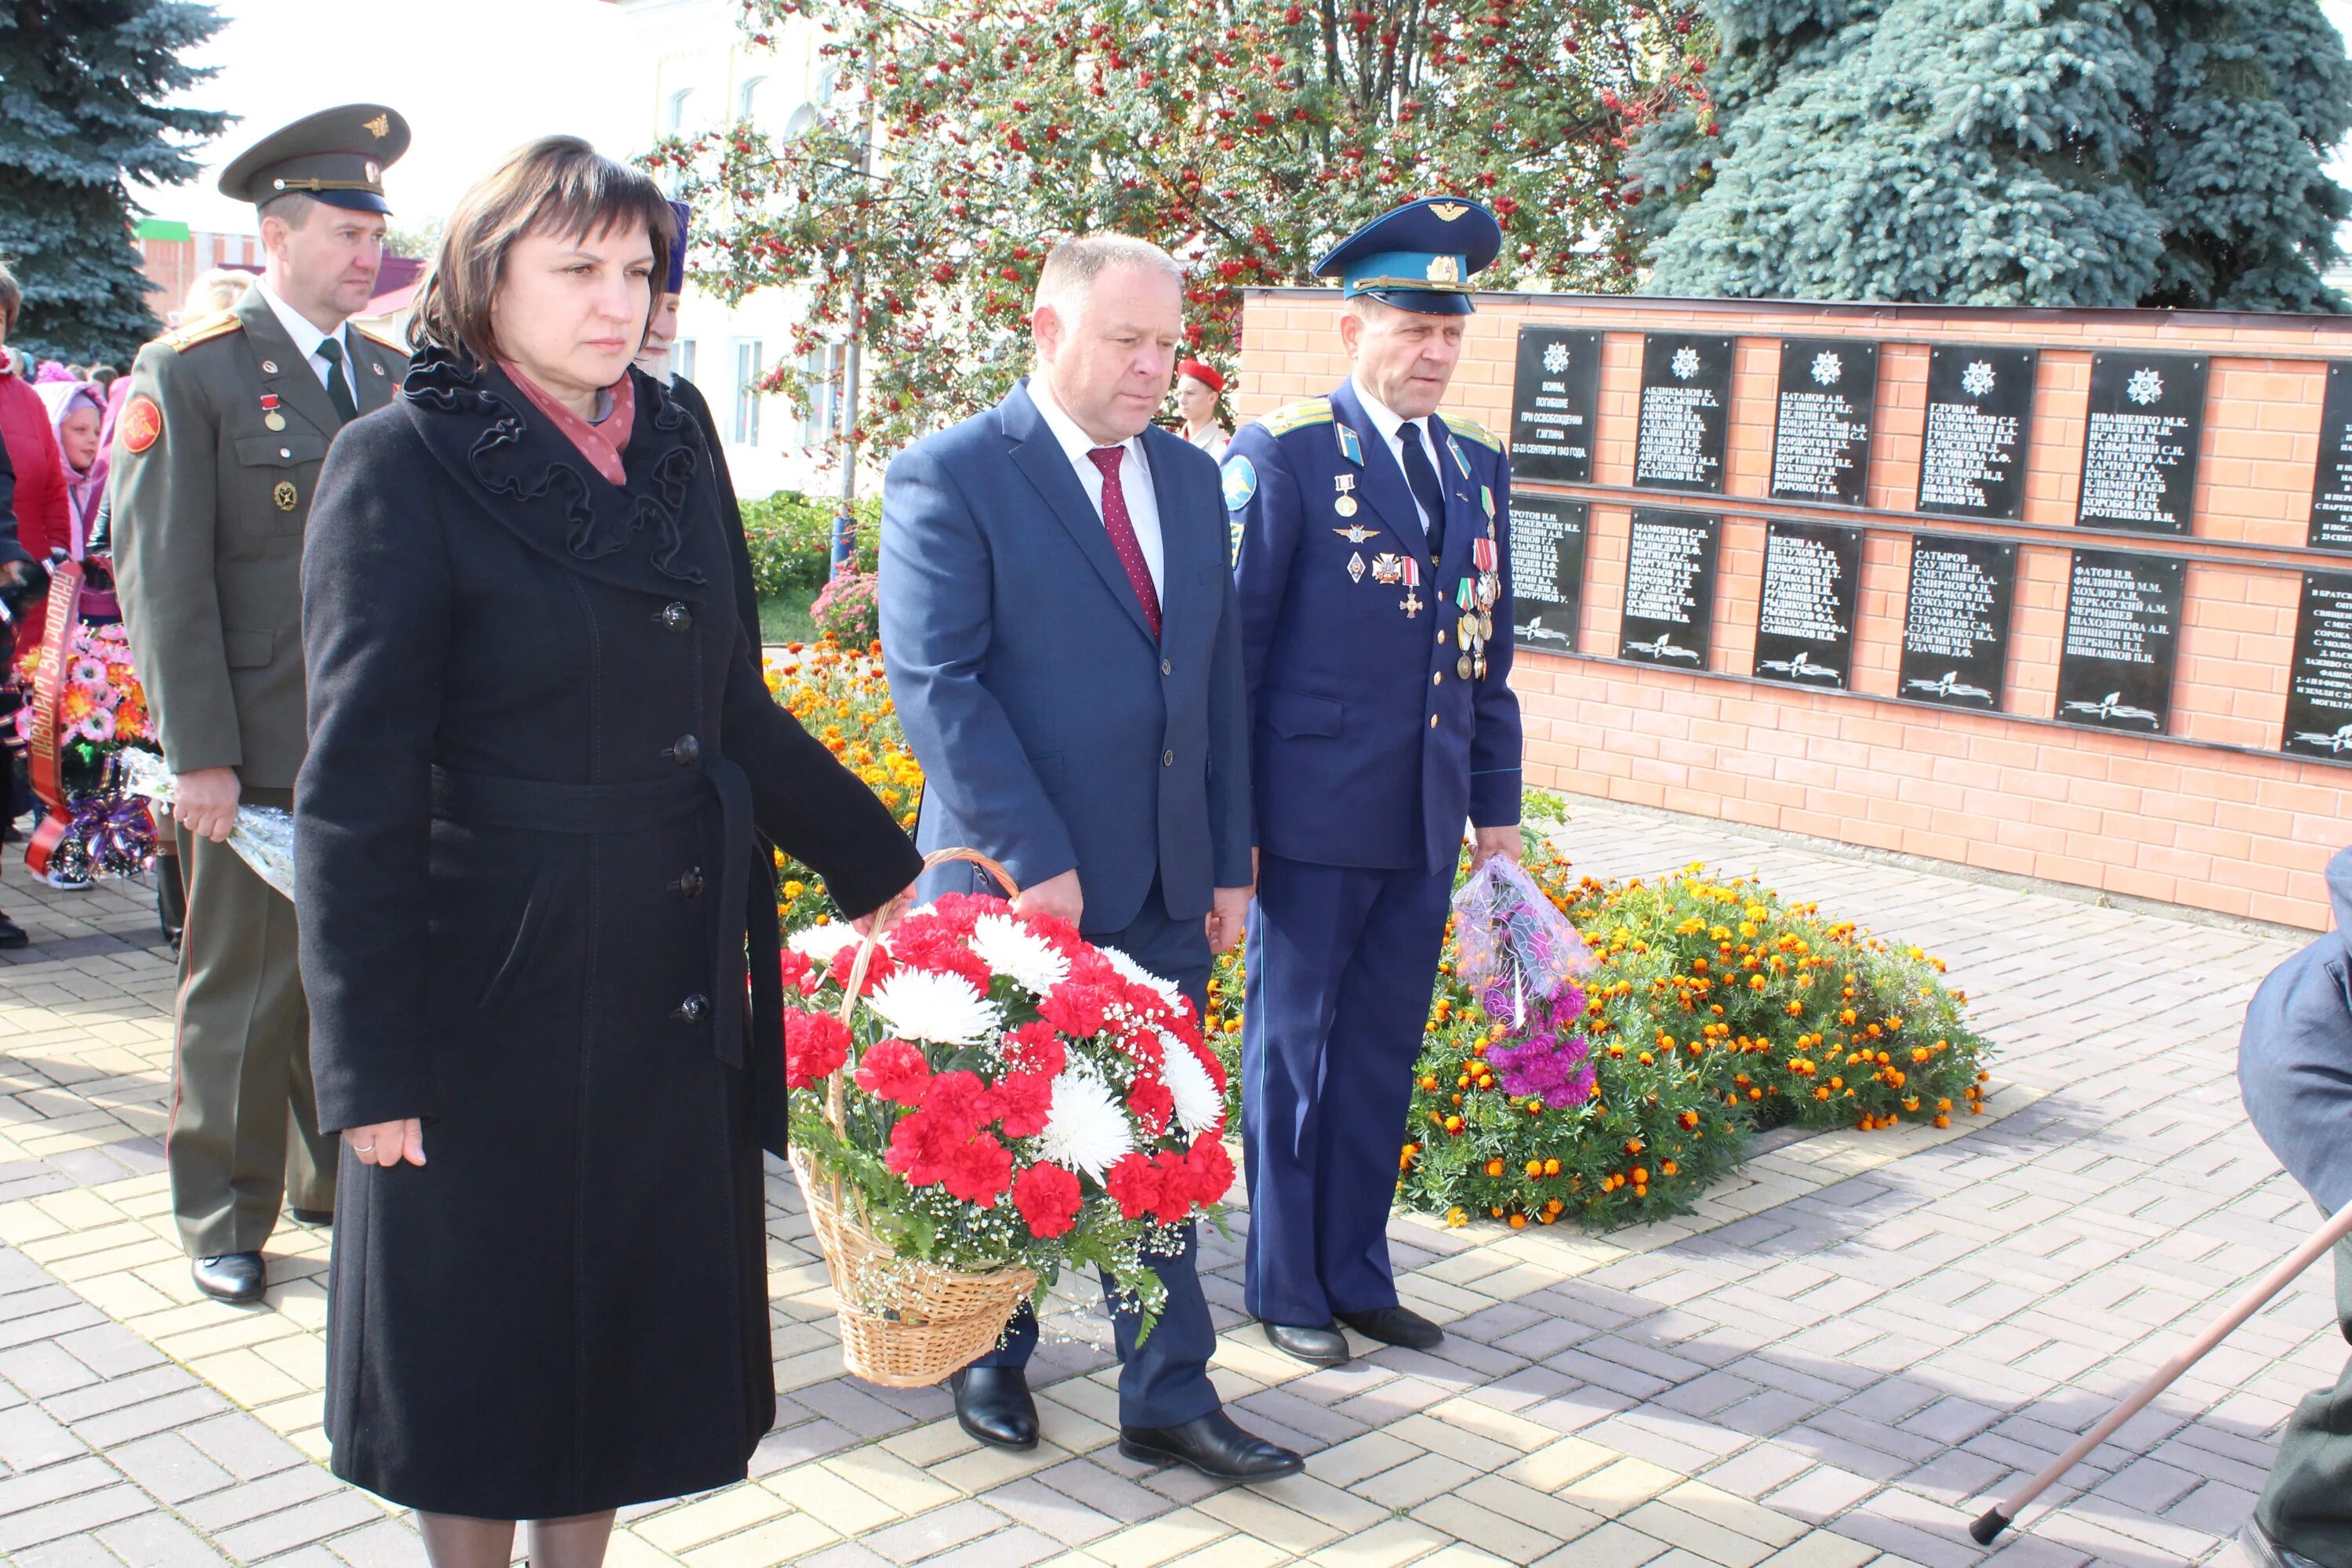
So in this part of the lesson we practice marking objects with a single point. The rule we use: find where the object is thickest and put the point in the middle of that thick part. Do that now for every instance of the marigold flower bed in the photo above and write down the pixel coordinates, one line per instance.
(1714, 1010)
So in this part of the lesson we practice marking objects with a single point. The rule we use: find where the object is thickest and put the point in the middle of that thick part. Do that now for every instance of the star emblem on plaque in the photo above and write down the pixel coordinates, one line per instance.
(1684, 363)
(1827, 368)
(1977, 380)
(2144, 387)
(1554, 357)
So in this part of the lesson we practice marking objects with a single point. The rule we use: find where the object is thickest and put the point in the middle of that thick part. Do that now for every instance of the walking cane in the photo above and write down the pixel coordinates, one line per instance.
(2002, 1514)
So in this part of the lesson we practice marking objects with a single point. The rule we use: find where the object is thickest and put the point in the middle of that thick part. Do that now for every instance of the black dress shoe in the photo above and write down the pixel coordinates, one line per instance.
(233, 1276)
(1396, 1326)
(2267, 1552)
(11, 933)
(311, 1216)
(1325, 1346)
(1211, 1445)
(993, 1404)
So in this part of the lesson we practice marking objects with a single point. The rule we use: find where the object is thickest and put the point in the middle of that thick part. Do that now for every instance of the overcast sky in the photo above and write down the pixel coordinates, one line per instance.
(473, 76)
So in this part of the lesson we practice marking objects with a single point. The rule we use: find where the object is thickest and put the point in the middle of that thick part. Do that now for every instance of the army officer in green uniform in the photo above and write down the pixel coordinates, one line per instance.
(216, 454)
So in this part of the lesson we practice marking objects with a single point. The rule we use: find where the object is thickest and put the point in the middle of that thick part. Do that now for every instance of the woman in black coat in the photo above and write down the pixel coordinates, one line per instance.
(541, 750)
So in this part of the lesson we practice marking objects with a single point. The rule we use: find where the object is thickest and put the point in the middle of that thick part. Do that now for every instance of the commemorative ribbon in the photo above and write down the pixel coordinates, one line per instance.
(48, 696)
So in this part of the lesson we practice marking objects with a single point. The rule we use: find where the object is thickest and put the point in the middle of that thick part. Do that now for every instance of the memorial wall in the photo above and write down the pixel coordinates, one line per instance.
(2065, 594)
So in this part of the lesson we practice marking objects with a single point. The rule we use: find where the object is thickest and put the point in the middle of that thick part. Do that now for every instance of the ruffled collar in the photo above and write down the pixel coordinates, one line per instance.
(527, 473)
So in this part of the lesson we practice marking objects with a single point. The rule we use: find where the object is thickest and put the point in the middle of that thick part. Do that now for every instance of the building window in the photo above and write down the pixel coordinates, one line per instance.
(747, 392)
(682, 358)
(800, 120)
(756, 102)
(824, 367)
(681, 110)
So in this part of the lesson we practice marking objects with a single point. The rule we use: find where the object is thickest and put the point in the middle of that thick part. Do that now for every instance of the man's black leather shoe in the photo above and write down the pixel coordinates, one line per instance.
(233, 1276)
(1396, 1326)
(2267, 1552)
(1211, 1445)
(12, 934)
(1325, 1346)
(311, 1216)
(993, 1404)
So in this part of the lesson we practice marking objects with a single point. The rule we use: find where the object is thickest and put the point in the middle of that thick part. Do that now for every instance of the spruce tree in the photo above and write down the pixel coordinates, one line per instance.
(81, 90)
(2006, 152)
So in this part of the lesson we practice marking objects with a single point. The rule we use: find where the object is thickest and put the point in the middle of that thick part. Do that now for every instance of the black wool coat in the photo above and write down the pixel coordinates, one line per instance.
(541, 751)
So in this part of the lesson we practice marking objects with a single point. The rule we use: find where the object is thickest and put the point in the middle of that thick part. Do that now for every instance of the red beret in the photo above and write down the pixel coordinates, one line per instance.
(1200, 373)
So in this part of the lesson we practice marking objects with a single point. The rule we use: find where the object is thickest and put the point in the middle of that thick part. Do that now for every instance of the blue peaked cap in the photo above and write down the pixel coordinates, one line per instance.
(1420, 257)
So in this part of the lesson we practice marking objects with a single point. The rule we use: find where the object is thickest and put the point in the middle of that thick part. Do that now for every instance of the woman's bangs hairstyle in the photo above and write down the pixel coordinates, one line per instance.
(557, 185)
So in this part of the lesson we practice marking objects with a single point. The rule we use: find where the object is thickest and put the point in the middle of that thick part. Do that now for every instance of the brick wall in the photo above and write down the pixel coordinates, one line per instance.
(2208, 816)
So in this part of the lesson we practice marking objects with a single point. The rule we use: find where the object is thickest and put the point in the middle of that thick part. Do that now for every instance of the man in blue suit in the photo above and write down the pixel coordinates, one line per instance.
(1065, 650)
(1370, 538)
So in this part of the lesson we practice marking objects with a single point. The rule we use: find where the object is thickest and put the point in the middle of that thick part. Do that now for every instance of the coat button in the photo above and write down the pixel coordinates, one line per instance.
(686, 751)
(691, 883)
(1167, 759)
(1441, 637)
(695, 1009)
(1167, 666)
(676, 618)
(1432, 720)
(1437, 678)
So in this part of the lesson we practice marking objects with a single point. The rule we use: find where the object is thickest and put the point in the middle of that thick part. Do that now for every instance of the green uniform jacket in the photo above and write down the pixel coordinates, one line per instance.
(209, 507)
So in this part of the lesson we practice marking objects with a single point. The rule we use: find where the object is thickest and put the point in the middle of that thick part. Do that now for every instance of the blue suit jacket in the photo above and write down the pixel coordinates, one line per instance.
(1053, 731)
(1369, 749)
(2295, 1055)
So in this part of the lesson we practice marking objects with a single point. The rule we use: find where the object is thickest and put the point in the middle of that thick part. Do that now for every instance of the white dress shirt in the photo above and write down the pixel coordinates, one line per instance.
(307, 337)
(1391, 425)
(1134, 479)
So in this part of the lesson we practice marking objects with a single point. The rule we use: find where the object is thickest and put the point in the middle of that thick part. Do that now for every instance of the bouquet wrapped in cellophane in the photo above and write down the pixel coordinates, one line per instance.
(1002, 1100)
(1519, 956)
(262, 834)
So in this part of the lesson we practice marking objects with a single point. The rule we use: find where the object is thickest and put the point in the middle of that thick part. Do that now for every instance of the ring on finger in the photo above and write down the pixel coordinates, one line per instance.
(364, 1148)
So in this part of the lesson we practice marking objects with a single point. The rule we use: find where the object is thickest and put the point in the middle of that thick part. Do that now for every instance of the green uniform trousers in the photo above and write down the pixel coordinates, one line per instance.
(244, 1123)
(2306, 1505)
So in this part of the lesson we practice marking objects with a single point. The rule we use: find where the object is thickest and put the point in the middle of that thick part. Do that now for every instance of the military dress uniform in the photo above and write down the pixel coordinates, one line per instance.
(216, 457)
(1377, 648)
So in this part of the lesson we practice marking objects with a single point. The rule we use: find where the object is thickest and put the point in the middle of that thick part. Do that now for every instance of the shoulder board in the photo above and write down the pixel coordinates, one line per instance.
(1297, 415)
(1469, 429)
(204, 329)
(378, 338)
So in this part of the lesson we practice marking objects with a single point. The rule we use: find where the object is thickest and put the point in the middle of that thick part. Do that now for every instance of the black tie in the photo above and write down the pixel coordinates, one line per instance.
(339, 390)
(1422, 475)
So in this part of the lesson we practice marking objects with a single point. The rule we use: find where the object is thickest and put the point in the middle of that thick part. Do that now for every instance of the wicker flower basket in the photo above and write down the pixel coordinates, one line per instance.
(905, 1323)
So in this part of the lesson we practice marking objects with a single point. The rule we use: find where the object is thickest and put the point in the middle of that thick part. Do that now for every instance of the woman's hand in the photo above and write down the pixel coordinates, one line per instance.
(388, 1142)
(883, 919)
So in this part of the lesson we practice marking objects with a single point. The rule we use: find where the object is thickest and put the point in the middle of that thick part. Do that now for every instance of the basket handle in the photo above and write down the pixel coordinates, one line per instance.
(836, 1084)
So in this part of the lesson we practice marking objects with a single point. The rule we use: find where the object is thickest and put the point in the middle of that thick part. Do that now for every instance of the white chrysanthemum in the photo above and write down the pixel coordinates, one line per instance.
(821, 944)
(1198, 1103)
(945, 1009)
(1086, 1129)
(1020, 955)
(1139, 975)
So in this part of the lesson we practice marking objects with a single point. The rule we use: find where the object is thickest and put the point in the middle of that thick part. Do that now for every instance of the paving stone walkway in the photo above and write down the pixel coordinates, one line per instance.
(1833, 1364)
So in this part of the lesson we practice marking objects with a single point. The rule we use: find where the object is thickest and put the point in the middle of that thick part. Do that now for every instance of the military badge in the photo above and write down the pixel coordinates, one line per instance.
(1346, 503)
(1356, 533)
(142, 424)
(1349, 448)
(284, 495)
(1389, 568)
(1241, 483)
(1486, 500)
(1449, 211)
(1460, 461)
(380, 127)
(1356, 568)
(1444, 269)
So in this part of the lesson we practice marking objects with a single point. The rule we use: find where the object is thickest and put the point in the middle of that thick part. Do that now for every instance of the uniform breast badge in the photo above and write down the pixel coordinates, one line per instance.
(1387, 568)
(284, 495)
(1349, 448)
(1356, 568)
(1460, 461)
(1411, 602)
(271, 418)
(1356, 533)
(1345, 505)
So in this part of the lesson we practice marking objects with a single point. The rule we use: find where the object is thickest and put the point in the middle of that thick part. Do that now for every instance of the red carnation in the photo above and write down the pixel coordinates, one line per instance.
(1074, 1008)
(1175, 1188)
(936, 946)
(1022, 1101)
(1212, 1170)
(1036, 1047)
(955, 1097)
(961, 912)
(1152, 1104)
(1047, 1197)
(1059, 933)
(799, 971)
(919, 1144)
(980, 1171)
(1134, 1185)
(876, 971)
(815, 1044)
(896, 1070)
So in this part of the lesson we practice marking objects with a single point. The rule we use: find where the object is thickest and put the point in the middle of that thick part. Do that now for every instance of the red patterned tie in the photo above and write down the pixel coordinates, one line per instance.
(1122, 532)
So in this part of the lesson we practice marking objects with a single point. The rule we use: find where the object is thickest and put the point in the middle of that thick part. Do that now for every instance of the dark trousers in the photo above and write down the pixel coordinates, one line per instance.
(244, 1136)
(1164, 1381)
(1341, 962)
(2306, 1505)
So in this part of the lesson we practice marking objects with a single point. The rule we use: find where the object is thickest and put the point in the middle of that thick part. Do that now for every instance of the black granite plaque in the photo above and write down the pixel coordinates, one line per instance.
(2331, 487)
(1979, 413)
(1669, 588)
(2139, 448)
(1547, 534)
(1555, 401)
(1955, 622)
(1820, 434)
(1685, 409)
(1804, 619)
(2319, 683)
(2115, 672)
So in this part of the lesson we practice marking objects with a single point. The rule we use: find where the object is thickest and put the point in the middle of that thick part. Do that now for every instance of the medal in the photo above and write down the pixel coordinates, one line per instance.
(1482, 550)
(271, 418)
(1486, 499)
(1389, 568)
(1346, 504)
(284, 495)
(1463, 666)
(1411, 602)
(1356, 567)
(1488, 589)
(1486, 627)
(1468, 630)
(1479, 668)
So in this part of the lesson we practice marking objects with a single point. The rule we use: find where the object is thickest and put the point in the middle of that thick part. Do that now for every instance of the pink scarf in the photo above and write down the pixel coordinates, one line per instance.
(603, 443)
